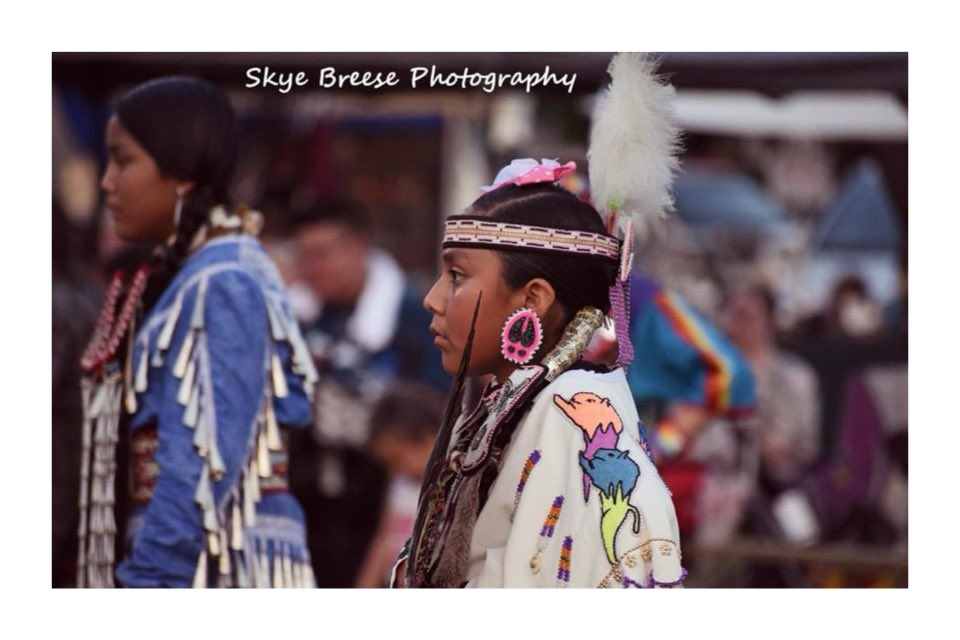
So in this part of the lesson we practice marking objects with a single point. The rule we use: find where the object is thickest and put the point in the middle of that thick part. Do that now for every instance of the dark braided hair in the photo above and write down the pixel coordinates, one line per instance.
(579, 281)
(190, 130)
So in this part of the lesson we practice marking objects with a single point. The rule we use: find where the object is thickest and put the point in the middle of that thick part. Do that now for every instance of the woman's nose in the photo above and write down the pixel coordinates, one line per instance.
(106, 183)
(433, 301)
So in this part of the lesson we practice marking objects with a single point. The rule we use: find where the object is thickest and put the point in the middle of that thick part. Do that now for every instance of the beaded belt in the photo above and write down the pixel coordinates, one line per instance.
(143, 465)
(144, 468)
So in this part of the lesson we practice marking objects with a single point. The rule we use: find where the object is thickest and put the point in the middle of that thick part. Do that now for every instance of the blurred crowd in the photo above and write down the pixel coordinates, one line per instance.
(780, 280)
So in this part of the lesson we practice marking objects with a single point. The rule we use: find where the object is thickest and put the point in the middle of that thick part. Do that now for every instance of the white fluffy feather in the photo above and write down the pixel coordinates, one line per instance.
(634, 141)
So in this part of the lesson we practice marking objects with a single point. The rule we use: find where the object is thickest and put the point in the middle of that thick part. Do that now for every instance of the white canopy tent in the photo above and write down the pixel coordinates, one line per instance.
(833, 115)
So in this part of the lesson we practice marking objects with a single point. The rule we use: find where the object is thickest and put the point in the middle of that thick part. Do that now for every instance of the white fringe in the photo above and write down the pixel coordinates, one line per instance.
(166, 334)
(180, 367)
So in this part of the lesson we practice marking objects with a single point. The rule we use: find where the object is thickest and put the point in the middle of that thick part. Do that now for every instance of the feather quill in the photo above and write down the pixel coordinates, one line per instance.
(438, 456)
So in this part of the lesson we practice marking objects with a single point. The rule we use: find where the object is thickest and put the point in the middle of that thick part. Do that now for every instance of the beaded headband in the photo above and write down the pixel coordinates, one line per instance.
(466, 231)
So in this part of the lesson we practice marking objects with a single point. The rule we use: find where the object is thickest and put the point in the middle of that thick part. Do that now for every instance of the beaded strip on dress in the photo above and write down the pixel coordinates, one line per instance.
(546, 532)
(563, 566)
(528, 466)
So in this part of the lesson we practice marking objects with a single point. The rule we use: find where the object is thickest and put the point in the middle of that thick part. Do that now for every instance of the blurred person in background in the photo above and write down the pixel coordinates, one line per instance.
(197, 355)
(788, 395)
(850, 313)
(859, 494)
(369, 329)
(403, 426)
(788, 431)
(278, 241)
(856, 497)
(852, 310)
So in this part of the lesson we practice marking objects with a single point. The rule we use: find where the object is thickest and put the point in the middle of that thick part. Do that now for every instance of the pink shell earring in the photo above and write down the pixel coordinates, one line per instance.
(522, 336)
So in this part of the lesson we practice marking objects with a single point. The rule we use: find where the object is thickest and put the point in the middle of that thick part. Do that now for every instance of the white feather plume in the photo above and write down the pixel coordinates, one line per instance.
(634, 141)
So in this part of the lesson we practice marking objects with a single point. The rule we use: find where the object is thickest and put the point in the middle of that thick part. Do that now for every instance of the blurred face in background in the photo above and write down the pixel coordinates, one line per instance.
(747, 321)
(332, 261)
(401, 455)
(140, 199)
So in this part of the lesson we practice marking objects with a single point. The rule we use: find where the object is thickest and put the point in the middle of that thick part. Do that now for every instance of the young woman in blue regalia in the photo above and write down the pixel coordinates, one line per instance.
(198, 357)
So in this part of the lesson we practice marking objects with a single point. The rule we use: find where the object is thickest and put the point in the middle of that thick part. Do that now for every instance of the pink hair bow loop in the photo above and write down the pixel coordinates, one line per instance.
(529, 171)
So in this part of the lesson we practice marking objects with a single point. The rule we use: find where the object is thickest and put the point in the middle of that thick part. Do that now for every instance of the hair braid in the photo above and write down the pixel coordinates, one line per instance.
(167, 260)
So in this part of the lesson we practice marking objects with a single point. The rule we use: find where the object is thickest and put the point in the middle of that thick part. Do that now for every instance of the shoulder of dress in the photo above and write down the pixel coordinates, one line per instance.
(584, 379)
(231, 255)
(204, 293)
(589, 400)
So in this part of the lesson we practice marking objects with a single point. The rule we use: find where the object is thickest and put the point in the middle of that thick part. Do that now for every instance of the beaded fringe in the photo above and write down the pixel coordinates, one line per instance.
(97, 530)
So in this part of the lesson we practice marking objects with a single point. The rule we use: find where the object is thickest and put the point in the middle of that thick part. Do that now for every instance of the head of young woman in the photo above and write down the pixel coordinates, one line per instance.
(168, 138)
(554, 285)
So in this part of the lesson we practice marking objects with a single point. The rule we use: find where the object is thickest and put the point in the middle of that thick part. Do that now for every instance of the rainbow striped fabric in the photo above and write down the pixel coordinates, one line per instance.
(682, 357)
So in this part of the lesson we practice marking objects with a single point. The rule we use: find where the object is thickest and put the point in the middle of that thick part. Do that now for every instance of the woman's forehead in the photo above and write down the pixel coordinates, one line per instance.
(117, 135)
(115, 128)
(469, 256)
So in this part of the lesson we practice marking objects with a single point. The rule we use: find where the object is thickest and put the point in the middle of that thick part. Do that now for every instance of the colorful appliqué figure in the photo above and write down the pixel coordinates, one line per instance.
(615, 474)
(599, 421)
(611, 470)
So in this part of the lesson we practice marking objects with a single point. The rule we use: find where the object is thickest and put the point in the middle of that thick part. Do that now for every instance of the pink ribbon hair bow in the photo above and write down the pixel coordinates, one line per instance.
(529, 171)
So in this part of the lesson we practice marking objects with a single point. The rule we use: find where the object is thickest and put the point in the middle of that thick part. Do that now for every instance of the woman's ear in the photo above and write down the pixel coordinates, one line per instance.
(539, 296)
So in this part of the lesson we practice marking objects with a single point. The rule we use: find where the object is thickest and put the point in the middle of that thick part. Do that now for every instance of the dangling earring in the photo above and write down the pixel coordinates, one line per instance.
(178, 208)
(521, 336)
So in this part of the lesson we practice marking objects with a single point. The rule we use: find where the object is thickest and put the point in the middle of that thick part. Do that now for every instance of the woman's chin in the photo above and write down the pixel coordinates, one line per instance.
(450, 365)
(123, 229)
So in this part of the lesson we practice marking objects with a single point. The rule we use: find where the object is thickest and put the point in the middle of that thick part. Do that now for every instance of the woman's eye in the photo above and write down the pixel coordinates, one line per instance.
(454, 275)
